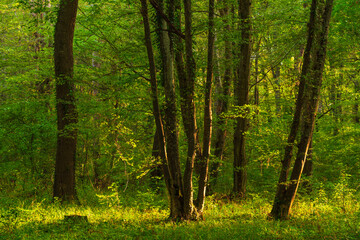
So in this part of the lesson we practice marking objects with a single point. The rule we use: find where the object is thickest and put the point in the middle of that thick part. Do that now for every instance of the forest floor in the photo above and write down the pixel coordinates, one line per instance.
(144, 216)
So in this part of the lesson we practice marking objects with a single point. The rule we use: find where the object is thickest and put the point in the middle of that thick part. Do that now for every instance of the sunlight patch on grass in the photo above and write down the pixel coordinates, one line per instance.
(223, 220)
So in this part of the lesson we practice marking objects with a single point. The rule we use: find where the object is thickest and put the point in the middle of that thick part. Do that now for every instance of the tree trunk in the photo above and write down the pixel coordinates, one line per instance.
(307, 102)
(276, 76)
(241, 98)
(257, 75)
(171, 167)
(204, 167)
(308, 168)
(170, 117)
(175, 198)
(156, 169)
(222, 104)
(64, 183)
(285, 168)
(189, 118)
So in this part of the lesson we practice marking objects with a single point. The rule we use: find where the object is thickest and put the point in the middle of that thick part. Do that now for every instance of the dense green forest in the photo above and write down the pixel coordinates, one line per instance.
(169, 119)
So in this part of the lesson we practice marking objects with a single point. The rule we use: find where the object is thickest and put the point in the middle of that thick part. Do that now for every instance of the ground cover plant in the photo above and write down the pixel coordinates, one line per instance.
(135, 217)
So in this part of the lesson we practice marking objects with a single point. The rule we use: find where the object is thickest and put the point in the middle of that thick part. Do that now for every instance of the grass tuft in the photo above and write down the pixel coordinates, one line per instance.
(223, 219)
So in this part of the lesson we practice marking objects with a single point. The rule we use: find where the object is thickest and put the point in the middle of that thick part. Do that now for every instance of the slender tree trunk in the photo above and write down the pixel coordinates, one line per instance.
(222, 104)
(276, 76)
(189, 119)
(175, 198)
(170, 117)
(308, 168)
(286, 162)
(204, 168)
(180, 211)
(257, 75)
(156, 169)
(307, 102)
(64, 183)
(171, 167)
(96, 142)
(266, 96)
(241, 96)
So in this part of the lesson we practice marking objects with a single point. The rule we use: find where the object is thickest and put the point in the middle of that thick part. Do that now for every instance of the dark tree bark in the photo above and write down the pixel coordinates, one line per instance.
(167, 71)
(281, 188)
(188, 111)
(221, 104)
(155, 103)
(169, 20)
(241, 98)
(181, 189)
(172, 173)
(64, 183)
(170, 116)
(204, 167)
(307, 105)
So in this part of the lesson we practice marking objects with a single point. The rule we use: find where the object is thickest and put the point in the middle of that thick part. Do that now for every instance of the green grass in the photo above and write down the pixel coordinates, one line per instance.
(317, 218)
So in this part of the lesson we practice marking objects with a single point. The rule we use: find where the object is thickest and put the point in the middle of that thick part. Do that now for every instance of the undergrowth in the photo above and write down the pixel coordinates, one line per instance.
(143, 215)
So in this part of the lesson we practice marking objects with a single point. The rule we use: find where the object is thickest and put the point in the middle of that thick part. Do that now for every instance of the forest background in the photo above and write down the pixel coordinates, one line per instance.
(119, 180)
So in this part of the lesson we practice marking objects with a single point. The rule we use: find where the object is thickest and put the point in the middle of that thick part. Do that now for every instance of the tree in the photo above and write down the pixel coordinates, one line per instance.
(306, 106)
(221, 105)
(188, 111)
(204, 167)
(241, 95)
(64, 183)
(182, 205)
(171, 165)
(170, 113)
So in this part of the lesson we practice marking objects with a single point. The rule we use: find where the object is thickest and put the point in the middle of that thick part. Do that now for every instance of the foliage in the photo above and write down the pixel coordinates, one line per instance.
(116, 126)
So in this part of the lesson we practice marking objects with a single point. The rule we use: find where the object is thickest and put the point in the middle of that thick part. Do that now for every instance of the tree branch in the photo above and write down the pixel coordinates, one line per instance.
(165, 17)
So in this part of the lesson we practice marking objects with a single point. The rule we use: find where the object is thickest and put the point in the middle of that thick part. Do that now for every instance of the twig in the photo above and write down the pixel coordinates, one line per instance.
(325, 113)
